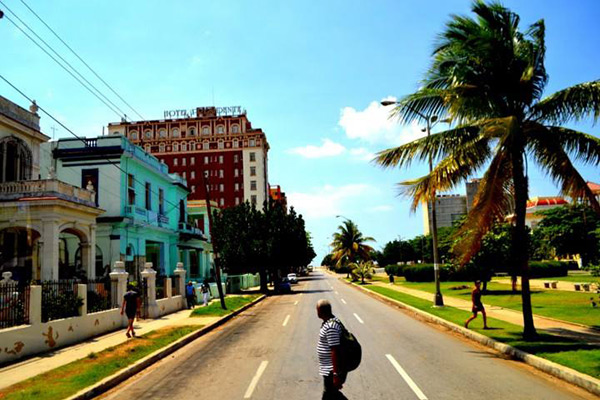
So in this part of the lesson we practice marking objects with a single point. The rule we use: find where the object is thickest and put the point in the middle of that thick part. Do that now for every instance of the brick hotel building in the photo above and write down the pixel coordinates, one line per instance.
(220, 140)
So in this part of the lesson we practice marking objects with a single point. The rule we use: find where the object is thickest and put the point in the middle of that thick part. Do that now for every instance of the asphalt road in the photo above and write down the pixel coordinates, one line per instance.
(269, 352)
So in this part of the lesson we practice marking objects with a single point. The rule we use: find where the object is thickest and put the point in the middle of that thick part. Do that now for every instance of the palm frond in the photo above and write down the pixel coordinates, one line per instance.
(570, 104)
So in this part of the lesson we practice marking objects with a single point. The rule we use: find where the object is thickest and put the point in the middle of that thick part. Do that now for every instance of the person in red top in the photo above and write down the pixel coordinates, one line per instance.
(477, 306)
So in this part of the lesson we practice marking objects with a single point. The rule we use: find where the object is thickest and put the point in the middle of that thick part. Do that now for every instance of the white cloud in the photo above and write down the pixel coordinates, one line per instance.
(327, 201)
(381, 208)
(362, 154)
(373, 125)
(327, 149)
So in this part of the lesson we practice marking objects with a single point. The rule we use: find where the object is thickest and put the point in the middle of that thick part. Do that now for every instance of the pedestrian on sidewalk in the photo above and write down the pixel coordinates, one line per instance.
(190, 295)
(205, 289)
(131, 307)
(477, 306)
(328, 351)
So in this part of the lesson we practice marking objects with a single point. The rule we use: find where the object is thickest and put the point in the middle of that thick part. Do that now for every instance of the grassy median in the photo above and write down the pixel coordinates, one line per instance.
(67, 380)
(231, 301)
(570, 353)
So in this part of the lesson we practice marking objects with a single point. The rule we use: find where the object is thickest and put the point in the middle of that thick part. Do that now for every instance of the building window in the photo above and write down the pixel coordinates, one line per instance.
(161, 147)
(235, 158)
(252, 185)
(205, 160)
(162, 133)
(222, 202)
(220, 129)
(148, 196)
(235, 129)
(175, 162)
(183, 147)
(253, 199)
(221, 173)
(237, 201)
(147, 148)
(183, 161)
(252, 156)
(193, 189)
(220, 159)
(161, 202)
(148, 134)
(252, 171)
(252, 142)
(205, 146)
(193, 161)
(175, 133)
(236, 172)
(192, 131)
(206, 130)
(221, 188)
(235, 143)
(184, 175)
(175, 147)
(130, 190)
(133, 135)
(237, 187)
(221, 144)
(193, 175)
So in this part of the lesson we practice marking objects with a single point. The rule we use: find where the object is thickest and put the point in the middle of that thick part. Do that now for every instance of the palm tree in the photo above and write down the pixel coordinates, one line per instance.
(487, 76)
(349, 245)
(362, 270)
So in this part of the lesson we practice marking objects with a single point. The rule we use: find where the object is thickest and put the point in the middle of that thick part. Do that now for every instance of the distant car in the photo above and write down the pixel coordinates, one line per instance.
(292, 278)
(284, 286)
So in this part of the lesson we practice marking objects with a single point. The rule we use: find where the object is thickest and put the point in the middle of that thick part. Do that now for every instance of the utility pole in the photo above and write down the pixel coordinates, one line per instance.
(213, 239)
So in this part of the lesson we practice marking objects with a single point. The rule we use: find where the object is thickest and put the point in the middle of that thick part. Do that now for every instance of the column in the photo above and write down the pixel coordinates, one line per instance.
(85, 259)
(82, 293)
(50, 250)
(35, 305)
(150, 275)
(118, 275)
(180, 272)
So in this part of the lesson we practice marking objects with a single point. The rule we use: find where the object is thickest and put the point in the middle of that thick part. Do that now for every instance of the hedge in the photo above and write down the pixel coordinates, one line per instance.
(394, 269)
(547, 269)
(423, 273)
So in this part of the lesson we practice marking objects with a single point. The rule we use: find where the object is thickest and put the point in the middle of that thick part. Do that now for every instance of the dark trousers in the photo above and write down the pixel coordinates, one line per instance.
(190, 301)
(330, 392)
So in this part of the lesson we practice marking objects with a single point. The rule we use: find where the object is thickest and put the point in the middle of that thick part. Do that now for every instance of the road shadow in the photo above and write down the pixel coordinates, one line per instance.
(310, 291)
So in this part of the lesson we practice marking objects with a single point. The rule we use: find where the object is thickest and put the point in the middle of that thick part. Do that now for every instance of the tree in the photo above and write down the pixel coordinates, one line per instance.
(328, 261)
(487, 77)
(349, 245)
(571, 230)
(362, 270)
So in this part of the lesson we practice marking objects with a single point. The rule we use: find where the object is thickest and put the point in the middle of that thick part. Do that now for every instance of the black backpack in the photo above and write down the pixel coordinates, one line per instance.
(350, 349)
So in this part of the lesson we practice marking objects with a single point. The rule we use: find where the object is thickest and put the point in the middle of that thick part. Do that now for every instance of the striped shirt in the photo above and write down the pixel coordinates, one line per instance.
(329, 336)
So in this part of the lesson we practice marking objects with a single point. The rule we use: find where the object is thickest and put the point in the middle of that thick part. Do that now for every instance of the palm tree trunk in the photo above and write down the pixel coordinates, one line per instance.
(520, 239)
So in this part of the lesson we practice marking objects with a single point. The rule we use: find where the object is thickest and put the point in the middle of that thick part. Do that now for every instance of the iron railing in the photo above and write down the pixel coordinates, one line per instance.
(60, 299)
(161, 287)
(14, 304)
(175, 285)
(100, 295)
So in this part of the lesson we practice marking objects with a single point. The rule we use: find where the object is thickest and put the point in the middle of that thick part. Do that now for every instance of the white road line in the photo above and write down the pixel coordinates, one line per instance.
(343, 301)
(296, 303)
(285, 321)
(336, 292)
(407, 378)
(254, 382)
(358, 318)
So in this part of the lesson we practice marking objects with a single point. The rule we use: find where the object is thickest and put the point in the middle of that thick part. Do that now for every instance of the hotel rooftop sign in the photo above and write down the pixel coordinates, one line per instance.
(200, 112)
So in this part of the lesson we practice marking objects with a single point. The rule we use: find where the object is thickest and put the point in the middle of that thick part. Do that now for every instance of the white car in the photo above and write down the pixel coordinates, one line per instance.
(292, 278)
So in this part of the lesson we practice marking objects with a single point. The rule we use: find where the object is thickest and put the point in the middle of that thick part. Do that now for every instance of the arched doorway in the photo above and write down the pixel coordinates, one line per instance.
(19, 253)
(15, 160)
(101, 270)
(71, 264)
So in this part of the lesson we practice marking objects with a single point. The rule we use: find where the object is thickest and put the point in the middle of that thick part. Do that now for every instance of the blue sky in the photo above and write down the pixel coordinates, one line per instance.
(310, 74)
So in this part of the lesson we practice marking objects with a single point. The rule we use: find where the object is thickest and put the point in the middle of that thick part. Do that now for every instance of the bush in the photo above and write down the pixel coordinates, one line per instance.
(394, 269)
(424, 273)
(469, 273)
(546, 269)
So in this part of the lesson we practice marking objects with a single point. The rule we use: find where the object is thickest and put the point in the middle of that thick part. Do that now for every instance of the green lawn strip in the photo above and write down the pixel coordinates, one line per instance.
(580, 278)
(567, 306)
(570, 353)
(67, 380)
(232, 302)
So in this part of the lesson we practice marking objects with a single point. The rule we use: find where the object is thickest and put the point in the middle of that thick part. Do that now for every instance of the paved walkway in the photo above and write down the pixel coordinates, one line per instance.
(562, 328)
(560, 285)
(18, 372)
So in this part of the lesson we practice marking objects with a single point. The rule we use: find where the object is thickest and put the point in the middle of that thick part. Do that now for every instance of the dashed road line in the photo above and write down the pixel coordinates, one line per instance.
(343, 301)
(285, 321)
(336, 292)
(254, 382)
(358, 318)
(296, 303)
(407, 378)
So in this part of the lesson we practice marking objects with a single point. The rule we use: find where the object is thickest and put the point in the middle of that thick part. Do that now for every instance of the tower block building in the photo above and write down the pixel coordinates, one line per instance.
(218, 140)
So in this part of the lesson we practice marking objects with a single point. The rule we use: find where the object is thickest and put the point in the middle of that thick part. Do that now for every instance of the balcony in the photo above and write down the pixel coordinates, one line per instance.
(190, 230)
(12, 191)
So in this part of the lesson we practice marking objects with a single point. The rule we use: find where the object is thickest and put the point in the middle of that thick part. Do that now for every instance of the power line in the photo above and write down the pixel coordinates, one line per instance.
(105, 100)
(81, 59)
(82, 139)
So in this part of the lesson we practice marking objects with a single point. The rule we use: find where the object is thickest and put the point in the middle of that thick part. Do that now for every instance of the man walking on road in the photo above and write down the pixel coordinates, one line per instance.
(328, 350)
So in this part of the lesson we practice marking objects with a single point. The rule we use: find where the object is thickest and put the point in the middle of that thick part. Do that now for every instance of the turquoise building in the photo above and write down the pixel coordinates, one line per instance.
(146, 217)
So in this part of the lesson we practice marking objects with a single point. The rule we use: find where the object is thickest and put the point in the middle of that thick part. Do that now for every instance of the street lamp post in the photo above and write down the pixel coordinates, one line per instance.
(438, 300)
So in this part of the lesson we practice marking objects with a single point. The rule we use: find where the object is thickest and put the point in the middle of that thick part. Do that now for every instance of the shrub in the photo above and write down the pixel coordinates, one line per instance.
(546, 269)
(469, 273)
(394, 269)
(424, 273)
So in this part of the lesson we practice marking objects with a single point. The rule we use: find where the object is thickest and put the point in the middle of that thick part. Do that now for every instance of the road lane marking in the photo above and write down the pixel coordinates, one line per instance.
(344, 301)
(407, 378)
(296, 303)
(358, 318)
(285, 321)
(254, 382)
(336, 292)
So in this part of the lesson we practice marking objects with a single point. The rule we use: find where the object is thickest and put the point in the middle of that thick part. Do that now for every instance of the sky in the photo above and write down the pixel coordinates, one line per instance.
(310, 74)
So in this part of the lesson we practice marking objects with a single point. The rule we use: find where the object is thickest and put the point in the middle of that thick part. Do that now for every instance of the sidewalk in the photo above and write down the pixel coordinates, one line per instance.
(539, 284)
(26, 369)
(556, 327)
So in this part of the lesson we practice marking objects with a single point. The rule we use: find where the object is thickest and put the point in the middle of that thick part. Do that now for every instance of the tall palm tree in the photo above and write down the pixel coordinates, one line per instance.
(487, 76)
(349, 245)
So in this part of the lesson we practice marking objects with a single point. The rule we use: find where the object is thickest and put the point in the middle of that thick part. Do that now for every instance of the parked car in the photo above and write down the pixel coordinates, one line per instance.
(292, 278)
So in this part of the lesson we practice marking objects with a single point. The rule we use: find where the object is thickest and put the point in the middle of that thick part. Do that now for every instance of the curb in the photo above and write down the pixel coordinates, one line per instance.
(584, 381)
(111, 381)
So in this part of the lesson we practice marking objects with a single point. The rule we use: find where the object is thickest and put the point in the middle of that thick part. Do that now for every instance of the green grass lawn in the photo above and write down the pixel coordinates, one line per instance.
(67, 380)
(567, 306)
(579, 356)
(232, 302)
